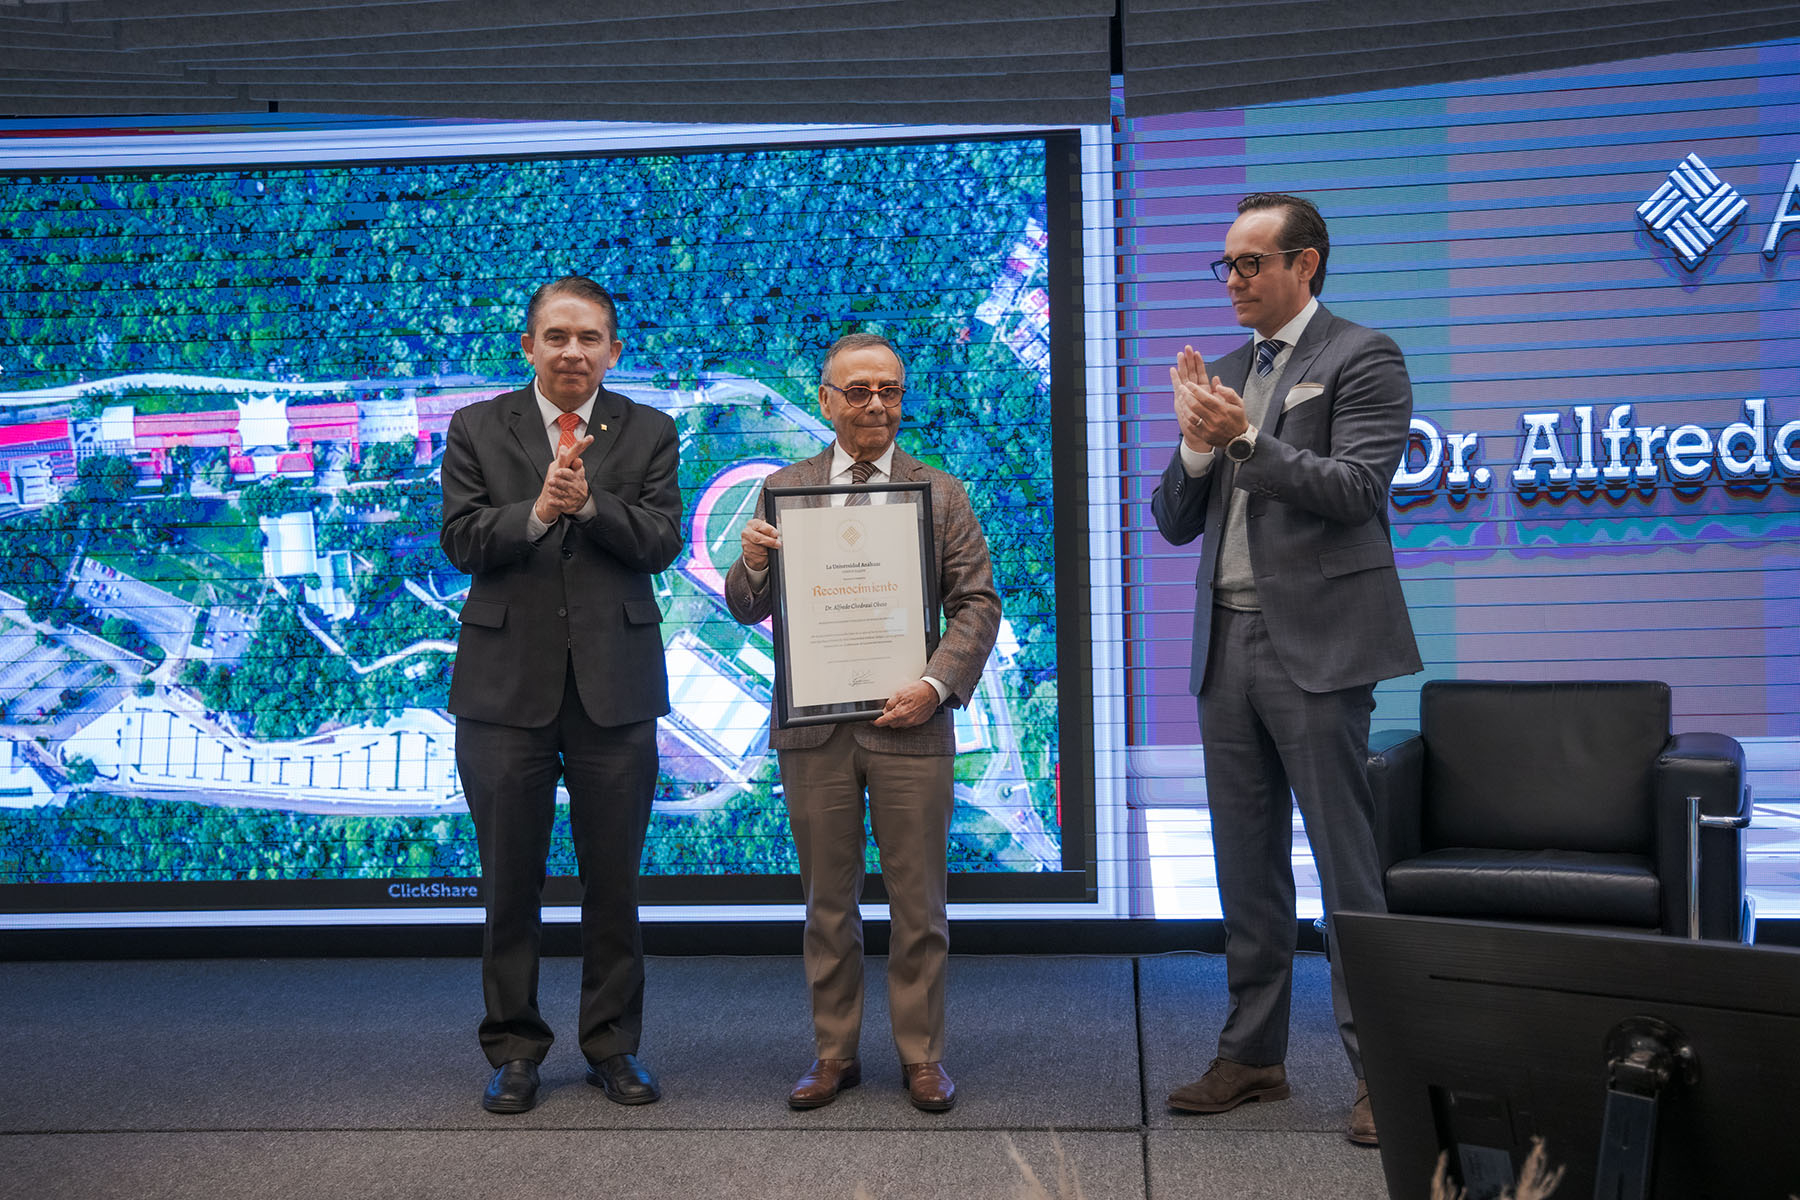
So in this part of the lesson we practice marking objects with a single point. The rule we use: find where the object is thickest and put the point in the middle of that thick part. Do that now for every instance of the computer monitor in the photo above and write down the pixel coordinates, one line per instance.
(1477, 1037)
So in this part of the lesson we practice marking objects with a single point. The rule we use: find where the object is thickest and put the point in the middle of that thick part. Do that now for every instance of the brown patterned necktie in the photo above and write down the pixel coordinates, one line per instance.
(859, 474)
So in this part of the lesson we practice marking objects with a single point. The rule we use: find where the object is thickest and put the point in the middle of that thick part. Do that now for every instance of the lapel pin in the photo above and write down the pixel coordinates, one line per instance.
(603, 427)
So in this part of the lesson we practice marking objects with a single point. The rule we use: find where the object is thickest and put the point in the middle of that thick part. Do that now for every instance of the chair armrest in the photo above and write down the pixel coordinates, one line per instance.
(1396, 779)
(1709, 767)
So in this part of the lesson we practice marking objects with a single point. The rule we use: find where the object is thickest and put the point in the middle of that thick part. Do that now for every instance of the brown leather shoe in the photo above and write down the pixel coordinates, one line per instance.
(823, 1081)
(1361, 1129)
(928, 1086)
(1227, 1084)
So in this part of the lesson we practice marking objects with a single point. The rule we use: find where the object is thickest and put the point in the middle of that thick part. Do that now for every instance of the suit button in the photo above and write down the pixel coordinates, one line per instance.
(568, 552)
(562, 612)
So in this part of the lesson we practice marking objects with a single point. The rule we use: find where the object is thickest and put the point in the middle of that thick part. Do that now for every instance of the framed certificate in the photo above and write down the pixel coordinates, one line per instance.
(855, 595)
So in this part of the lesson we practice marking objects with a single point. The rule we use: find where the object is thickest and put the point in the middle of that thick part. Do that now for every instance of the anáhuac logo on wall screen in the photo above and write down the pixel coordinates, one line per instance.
(1694, 209)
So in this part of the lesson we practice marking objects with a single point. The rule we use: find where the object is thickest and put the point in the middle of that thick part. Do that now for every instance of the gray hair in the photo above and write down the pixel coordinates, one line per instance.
(859, 341)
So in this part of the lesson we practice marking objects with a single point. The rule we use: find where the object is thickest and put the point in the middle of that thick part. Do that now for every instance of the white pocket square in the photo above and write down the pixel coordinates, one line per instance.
(1300, 393)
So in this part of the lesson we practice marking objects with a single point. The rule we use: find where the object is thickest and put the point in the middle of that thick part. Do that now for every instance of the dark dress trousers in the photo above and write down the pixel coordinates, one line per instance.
(560, 674)
(1285, 694)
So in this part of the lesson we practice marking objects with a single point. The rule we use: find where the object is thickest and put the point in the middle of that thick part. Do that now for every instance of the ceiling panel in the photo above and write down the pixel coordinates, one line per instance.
(1003, 61)
(997, 61)
(1180, 55)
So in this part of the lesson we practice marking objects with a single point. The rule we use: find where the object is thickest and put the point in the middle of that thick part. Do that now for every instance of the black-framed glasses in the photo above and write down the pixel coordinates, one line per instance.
(858, 395)
(1246, 265)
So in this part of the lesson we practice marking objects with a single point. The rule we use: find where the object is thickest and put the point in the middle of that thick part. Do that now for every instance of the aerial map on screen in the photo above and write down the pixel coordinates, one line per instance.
(226, 628)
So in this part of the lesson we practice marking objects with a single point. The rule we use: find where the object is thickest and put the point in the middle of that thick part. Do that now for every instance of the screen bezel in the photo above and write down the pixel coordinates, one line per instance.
(1074, 888)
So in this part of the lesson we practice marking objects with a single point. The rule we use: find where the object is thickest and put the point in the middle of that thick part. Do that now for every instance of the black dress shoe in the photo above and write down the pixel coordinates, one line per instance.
(623, 1080)
(513, 1089)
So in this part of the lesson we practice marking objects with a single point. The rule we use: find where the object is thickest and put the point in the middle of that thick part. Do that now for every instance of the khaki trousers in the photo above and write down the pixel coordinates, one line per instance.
(909, 803)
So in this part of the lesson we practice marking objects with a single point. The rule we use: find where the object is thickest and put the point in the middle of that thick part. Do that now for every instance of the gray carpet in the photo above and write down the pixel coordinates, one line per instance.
(361, 1077)
(1272, 1165)
(656, 1165)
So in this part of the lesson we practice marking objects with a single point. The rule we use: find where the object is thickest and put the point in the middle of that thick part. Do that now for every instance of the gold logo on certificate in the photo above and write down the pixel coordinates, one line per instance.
(855, 601)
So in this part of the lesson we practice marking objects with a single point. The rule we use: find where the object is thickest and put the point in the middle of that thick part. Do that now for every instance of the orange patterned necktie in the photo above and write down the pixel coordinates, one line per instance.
(568, 421)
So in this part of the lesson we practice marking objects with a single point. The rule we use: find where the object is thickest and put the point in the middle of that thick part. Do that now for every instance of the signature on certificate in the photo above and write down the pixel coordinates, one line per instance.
(861, 678)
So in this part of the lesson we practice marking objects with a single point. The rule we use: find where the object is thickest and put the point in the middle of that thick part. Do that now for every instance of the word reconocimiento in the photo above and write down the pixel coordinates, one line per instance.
(853, 589)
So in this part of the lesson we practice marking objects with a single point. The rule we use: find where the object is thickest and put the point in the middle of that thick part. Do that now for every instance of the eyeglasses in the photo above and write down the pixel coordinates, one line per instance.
(1246, 265)
(857, 395)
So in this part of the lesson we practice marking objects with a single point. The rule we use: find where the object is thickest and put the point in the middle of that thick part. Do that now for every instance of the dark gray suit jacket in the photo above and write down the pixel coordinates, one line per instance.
(581, 593)
(971, 607)
(1317, 517)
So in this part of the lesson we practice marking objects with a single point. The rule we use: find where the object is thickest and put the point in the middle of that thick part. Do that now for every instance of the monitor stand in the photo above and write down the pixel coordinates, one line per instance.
(1643, 1057)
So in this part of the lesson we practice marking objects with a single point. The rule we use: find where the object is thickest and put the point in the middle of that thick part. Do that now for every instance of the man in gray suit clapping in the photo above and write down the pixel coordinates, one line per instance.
(1282, 470)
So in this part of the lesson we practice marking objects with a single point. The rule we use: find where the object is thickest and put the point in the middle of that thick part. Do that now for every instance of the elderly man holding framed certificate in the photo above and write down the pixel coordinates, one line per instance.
(876, 549)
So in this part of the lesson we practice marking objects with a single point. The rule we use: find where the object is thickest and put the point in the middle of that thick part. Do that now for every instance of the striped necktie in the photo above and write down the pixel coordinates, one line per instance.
(568, 421)
(859, 475)
(1266, 350)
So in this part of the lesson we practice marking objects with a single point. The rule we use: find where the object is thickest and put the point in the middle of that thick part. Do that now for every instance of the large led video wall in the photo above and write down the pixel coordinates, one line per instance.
(1594, 275)
(226, 627)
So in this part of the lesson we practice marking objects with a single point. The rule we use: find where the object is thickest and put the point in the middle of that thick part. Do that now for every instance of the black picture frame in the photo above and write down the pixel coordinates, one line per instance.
(777, 500)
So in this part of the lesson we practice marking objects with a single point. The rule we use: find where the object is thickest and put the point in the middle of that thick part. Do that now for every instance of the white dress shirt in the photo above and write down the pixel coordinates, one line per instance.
(841, 462)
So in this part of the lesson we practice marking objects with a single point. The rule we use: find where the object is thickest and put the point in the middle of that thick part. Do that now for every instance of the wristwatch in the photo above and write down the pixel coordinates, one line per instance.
(1240, 448)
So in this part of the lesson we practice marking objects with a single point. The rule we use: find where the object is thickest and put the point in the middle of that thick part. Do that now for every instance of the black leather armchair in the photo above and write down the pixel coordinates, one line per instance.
(1564, 802)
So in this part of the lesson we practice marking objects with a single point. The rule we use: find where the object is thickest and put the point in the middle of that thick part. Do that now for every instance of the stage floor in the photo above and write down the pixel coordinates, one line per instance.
(361, 1078)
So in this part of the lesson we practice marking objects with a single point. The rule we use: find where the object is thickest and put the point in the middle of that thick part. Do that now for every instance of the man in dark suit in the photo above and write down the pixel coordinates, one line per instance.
(902, 759)
(1283, 469)
(560, 499)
